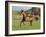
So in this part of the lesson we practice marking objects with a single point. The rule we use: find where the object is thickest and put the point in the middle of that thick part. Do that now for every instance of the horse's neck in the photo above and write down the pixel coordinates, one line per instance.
(23, 15)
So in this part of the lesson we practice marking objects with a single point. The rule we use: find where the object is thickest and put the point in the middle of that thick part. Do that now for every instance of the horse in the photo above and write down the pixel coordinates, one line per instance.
(27, 17)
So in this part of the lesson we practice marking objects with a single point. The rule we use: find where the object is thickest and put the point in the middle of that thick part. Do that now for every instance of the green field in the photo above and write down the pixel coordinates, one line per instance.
(27, 26)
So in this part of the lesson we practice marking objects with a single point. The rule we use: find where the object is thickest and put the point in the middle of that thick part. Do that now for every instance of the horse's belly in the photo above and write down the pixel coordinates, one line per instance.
(29, 19)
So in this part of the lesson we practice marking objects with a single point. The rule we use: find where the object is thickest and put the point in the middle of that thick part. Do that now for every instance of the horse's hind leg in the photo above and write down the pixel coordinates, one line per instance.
(31, 22)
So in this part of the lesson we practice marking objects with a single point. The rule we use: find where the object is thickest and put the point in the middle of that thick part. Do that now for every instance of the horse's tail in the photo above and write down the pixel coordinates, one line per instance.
(36, 18)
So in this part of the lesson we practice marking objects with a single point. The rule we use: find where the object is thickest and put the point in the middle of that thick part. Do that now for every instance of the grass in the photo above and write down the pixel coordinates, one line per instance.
(27, 26)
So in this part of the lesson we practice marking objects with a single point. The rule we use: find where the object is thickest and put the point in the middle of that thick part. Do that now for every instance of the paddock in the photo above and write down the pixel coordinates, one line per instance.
(16, 23)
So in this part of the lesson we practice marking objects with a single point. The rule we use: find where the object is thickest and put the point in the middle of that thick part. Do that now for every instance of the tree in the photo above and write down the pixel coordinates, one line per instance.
(35, 11)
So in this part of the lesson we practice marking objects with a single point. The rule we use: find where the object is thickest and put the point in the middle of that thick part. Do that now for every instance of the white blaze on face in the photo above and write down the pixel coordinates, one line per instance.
(19, 16)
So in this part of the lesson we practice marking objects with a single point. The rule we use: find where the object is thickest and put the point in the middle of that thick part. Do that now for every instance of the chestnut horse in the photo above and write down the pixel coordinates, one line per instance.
(27, 17)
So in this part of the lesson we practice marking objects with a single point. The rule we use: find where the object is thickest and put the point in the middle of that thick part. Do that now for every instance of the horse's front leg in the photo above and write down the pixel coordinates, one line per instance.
(23, 23)
(31, 22)
(20, 23)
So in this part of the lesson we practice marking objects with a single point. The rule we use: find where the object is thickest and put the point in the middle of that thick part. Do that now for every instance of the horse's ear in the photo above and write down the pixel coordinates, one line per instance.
(21, 11)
